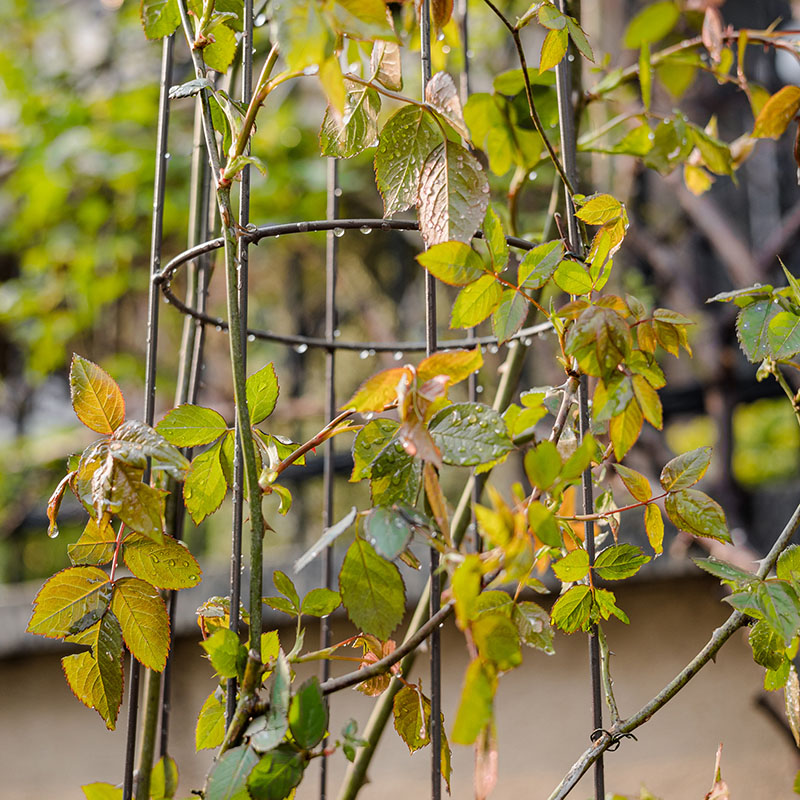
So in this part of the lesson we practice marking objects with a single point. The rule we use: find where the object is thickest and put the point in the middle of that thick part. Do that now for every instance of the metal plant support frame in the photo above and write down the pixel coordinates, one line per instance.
(193, 307)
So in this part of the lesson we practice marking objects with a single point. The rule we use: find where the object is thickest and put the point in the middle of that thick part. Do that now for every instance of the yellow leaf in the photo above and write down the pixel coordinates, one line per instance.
(96, 398)
(777, 113)
(378, 391)
(553, 49)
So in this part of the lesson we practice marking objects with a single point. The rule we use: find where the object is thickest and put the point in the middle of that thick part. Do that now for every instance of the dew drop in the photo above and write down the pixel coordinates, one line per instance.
(260, 20)
(53, 531)
(470, 53)
(167, 156)
(398, 356)
(337, 333)
(171, 562)
(251, 337)
(472, 419)
(366, 230)
(570, 57)
(493, 348)
(311, 70)
(154, 559)
(301, 348)
(483, 423)
(338, 191)
(184, 563)
(369, 415)
(338, 232)
(109, 655)
(193, 577)
(363, 354)
(440, 36)
(218, 327)
(302, 227)
(479, 390)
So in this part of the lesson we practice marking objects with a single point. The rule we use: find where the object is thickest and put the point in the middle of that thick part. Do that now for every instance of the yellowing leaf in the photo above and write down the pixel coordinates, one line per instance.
(600, 209)
(143, 618)
(167, 565)
(654, 525)
(378, 391)
(624, 429)
(69, 602)
(96, 545)
(697, 180)
(475, 302)
(777, 113)
(96, 398)
(210, 729)
(554, 48)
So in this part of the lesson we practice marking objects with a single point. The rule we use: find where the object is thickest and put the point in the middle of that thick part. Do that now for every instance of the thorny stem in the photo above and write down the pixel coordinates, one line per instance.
(537, 123)
(237, 362)
(608, 683)
(721, 635)
(605, 514)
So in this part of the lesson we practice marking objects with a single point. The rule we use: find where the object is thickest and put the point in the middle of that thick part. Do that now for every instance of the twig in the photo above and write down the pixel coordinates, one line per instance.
(386, 663)
(721, 635)
(608, 683)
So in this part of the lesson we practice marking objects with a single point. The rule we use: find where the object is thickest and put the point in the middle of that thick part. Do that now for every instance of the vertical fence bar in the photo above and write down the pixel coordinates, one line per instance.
(151, 358)
(242, 274)
(331, 268)
(568, 155)
(430, 347)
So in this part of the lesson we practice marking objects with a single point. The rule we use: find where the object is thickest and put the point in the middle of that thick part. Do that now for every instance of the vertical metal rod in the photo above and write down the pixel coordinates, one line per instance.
(151, 358)
(430, 347)
(568, 155)
(331, 268)
(242, 288)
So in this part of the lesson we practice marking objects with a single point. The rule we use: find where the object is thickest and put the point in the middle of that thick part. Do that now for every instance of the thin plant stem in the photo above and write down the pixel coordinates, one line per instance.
(608, 683)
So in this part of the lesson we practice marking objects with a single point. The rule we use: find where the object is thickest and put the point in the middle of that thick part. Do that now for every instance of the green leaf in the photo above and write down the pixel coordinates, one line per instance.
(270, 646)
(346, 135)
(778, 602)
(543, 465)
(101, 791)
(369, 441)
(496, 239)
(387, 531)
(167, 565)
(600, 209)
(372, 590)
(453, 195)
(635, 482)
(475, 302)
(395, 476)
(510, 315)
(226, 652)
(497, 640)
(283, 583)
(220, 53)
(777, 113)
(159, 18)
(276, 774)
(768, 649)
(262, 393)
(210, 729)
(328, 537)
(411, 712)
(571, 611)
(475, 708)
(579, 38)
(205, 487)
(164, 779)
(572, 278)
(406, 140)
(554, 48)
(776, 679)
(320, 602)
(550, 17)
(308, 714)
(469, 434)
(96, 677)
(696, 513)
(143, 617)
(533, 626)
(139, 506)
(539, 264)
(752, 329)
(69, 602)
(190, 426)
(543, 524)
(654, 527)
(788, 567)
(302, 31)
(783, 334)
(573, 567)
(619, 561)
(228, 778)
(133, 443)
(685, 470)
(651, 24)
(96, 544)
(466, 585)
(726, 572)
(454, 263)
(276, 720)
(96, 398)
(605, 604)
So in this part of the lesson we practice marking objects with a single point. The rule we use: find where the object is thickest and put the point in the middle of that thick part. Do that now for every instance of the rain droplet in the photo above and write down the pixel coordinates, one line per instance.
(533, 175)
(218, 327)
(251, 337)
(167, 156)
(440, 36)
(53, 531)
(193, 577)
(302, 227)
(154, 559)
(337, 333)
(312, 70)
(369, 415)
(171, 562)
(338, 232)
(366, 230)
(479, 390)
(446, 49)
(184, 563)
(493, 348)
(472, 419)
(570, 57)
(301, 348)
(363, 354)
(398, 356)
(338, 191)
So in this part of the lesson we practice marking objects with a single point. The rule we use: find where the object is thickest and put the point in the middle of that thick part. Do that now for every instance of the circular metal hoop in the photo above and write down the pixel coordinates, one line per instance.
(164, 277)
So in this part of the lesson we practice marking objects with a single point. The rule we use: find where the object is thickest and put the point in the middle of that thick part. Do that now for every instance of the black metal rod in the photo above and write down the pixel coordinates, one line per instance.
(159, 182)
(569, 158)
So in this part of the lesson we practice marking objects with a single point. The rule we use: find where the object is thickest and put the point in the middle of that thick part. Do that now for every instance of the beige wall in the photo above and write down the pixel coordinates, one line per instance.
(50, 744)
